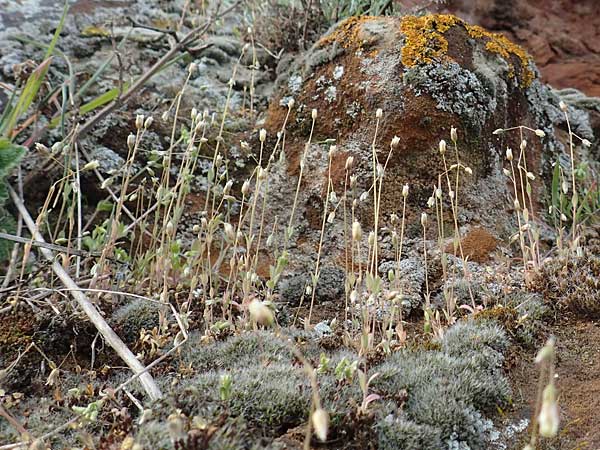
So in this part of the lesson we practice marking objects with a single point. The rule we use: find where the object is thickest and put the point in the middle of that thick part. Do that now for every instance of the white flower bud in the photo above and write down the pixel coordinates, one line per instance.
(148, 122)
(506, 172)
(229, 232)
(260, 313)
(349, 162)
(540, 133)
(442, 146)
(405, 190)
(549, 415)
(371, 238)
(92, 165)
(320, 421)
(509, 154)
(139, 121)
(246, 188)
(469, 170)
(498, 131)
(356, 231)
(332, 151)
(531, 176)
(314, 114)
(291, 103)
(395, 141)
(453, 134)
(193, 67)
(227, 187)
(586, 143)
(563, 106)
(424, 219)
(262, 135)
(379, 113)
(130, 141)
(164, 116)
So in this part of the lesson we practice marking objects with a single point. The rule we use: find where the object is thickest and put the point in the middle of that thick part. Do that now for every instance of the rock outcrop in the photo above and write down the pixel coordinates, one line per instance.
(563, 36)
(426, 74)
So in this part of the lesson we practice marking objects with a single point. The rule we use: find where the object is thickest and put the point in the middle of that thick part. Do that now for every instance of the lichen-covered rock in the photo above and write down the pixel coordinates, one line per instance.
(427, 74)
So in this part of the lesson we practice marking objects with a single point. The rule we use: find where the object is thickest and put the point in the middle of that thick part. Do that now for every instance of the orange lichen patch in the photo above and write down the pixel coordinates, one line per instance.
(347, 33)
(426, 42)
(477, 245)
(500, 44)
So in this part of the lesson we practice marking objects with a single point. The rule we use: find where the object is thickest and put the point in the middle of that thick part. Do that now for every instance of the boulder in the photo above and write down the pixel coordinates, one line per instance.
(427, 74)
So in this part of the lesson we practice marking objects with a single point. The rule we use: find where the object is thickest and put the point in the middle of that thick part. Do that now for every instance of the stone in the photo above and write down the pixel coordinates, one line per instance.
(426, 74)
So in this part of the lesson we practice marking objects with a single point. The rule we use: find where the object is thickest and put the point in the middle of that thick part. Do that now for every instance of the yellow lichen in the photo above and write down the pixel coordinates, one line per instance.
(347, 33)
(426, 42)
(498, 43)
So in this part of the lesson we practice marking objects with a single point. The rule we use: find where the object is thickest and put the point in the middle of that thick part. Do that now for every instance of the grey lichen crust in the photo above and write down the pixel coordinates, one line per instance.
(455, 89)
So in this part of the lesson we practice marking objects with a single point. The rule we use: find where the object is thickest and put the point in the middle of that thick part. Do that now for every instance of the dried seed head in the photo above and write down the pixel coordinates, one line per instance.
(506, 172)
(379, 113)
(430, 202)
(563, 218)
(438, 193)
(509, 154)
(523, 145)
(363, 196)
(148, 122)
(424, 219)
(565, 186)
(193, 113)
(395, 141)
(130, 141)
(453, 134)
(139, 121)
(262, 135)
(540, 133)
(291, 103)
(442, 146)
(314, 114)
(469, 170)
(586, 143)
(498, 131)
(164, 116)
(193, 67)
(531, 176)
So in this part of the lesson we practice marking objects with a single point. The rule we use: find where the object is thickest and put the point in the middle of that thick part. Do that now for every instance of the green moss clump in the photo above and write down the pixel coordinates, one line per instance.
(447, 389)
(129, 320)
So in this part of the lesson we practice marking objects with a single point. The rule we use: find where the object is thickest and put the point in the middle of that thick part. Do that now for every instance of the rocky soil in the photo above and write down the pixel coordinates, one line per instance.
(473, 387)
